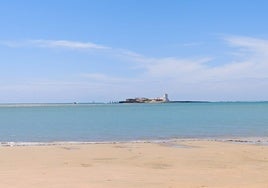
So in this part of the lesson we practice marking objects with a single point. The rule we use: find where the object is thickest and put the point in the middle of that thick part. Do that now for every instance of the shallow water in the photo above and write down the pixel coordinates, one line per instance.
(125, 122)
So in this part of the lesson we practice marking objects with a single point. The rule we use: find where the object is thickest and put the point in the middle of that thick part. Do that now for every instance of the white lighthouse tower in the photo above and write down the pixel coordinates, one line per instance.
(165, 98)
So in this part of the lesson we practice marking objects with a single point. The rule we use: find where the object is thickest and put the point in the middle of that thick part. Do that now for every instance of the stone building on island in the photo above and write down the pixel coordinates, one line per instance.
(163, 99)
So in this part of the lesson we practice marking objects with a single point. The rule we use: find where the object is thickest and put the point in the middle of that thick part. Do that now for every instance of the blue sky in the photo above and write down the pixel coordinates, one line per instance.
(65, 51)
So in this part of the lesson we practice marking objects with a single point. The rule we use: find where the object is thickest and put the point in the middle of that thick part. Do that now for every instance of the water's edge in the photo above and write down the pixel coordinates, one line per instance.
(240, 140)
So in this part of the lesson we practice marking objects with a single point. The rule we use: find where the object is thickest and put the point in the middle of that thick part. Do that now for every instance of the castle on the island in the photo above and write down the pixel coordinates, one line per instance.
(163, 99)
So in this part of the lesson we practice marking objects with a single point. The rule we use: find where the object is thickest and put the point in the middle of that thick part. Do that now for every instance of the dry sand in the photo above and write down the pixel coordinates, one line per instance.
(122, 165)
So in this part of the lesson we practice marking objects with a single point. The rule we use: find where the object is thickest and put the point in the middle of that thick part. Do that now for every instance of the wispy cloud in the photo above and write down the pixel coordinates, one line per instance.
(256, 45)
(66, 44)
(54, 44)
(250, 66)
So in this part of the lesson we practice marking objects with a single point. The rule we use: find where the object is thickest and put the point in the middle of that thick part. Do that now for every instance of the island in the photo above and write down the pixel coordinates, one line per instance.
(163, 99)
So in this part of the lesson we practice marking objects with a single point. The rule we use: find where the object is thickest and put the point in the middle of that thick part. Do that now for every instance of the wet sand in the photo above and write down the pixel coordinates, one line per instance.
(121, 165)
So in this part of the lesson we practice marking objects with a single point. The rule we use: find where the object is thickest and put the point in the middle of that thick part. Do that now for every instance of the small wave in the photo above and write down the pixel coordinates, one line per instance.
(241, 140)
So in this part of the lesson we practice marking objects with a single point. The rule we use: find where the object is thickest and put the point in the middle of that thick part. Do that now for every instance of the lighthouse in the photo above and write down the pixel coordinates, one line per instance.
(165, 98)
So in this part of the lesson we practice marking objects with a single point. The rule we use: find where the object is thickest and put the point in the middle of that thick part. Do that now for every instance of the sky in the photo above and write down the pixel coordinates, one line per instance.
(101, 51)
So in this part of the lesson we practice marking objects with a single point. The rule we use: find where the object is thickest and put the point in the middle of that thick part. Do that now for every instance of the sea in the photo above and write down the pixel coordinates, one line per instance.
(22, 123)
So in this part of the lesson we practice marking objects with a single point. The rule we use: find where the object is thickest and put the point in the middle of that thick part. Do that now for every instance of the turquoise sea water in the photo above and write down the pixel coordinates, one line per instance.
(125, 122)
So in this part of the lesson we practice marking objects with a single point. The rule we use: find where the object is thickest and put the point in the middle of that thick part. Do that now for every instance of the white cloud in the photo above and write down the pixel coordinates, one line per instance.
(54, 44)
(255, 65)
(255, 45)
(66, 44)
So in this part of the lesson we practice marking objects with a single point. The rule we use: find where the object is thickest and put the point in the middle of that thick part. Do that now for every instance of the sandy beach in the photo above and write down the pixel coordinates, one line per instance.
(121, 165)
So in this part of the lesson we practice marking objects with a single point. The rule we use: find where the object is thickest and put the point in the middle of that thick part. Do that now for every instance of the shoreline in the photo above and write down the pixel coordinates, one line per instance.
(241, 140)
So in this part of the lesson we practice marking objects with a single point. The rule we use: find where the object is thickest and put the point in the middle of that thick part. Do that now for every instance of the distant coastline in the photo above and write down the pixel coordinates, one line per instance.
(42, 104)
(114, 102)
